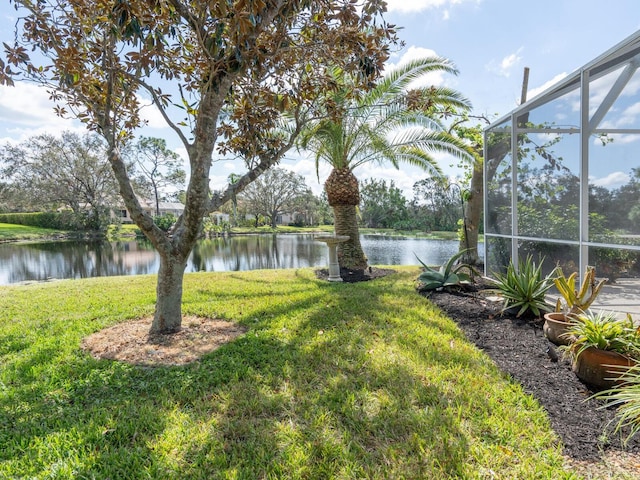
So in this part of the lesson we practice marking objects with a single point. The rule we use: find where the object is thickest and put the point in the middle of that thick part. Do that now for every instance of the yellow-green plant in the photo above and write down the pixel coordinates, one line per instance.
(577, 301)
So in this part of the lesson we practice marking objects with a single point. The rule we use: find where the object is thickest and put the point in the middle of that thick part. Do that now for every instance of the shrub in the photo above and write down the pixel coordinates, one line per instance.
(54, 220)
(165, 221)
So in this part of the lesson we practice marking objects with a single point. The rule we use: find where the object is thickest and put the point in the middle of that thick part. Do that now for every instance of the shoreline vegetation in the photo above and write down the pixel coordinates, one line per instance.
(361, 380)
(18, 233)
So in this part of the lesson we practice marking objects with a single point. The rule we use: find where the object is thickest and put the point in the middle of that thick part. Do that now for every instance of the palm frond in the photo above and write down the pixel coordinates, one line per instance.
(398, 79)
(419, 158)
(383, 126)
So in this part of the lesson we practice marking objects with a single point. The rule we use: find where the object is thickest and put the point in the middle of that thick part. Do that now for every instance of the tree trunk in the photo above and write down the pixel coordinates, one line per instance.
(168, 314)
(343, 195)
(155, 193)
(472, 217)
(350, 253)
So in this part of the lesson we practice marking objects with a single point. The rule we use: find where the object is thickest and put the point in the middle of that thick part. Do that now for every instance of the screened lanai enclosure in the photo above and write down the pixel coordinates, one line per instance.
(562, 177)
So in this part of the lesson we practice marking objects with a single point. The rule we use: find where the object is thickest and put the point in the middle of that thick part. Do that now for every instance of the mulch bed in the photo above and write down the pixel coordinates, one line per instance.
(353, 276)
(519, 348)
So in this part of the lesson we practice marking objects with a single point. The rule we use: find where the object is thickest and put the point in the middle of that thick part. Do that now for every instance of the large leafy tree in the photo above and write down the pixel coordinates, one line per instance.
(391, 123)
(382, 205)
(437, 204)
(468, 130)
(274, 193)
(47, 172)
(105, 60)
(311, 210)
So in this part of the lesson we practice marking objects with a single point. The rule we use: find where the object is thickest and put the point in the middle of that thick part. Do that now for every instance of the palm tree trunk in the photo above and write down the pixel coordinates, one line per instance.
(350, 253)
(343, 194)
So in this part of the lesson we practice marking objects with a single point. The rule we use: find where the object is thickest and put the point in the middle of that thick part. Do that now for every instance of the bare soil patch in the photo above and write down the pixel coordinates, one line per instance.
(130, 341)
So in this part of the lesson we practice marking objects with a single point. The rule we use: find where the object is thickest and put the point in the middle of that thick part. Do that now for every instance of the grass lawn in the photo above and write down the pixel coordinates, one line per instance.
(344, 381)
(9, 231)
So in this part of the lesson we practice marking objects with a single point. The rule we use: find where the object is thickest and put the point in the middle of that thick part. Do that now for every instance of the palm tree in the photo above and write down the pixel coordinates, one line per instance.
(389, 123)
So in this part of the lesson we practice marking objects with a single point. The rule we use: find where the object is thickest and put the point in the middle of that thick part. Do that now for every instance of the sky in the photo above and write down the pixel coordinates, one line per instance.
(490, 42)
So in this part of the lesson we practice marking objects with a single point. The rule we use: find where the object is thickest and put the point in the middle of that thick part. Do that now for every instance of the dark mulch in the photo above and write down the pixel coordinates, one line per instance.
(519, 348)
(353, 276)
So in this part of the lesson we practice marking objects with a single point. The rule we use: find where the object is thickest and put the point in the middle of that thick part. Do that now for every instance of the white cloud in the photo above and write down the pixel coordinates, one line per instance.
(26, 110)
(505, 66)
(613, 180)
(509, 61)
(304, 164)
(404, 178)
(535, 91)
(620, 139)
(406, 6)
(629, 117)
(151, 115)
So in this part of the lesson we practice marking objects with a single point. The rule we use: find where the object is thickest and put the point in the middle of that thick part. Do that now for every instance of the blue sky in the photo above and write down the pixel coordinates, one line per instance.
(490, 41)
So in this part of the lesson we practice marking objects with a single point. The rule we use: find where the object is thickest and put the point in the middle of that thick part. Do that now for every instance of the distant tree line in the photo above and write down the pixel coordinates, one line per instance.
(435, 206)
(69, 174)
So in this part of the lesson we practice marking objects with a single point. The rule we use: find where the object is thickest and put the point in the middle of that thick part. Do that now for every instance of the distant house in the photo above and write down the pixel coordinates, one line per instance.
(219, 218)
(285, 218)
(149, 206)
(295, 218)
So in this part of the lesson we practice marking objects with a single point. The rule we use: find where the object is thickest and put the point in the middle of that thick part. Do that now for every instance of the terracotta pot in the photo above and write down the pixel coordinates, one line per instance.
(555, 327)
(601, 368)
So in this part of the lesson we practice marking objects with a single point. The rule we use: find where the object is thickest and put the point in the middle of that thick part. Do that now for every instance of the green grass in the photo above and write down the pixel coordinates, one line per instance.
(344, 381)
(125, 230)
(10, 231)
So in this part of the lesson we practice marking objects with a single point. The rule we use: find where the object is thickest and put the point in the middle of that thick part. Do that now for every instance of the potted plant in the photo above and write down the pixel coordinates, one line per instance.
(604, 347)
(572, 302)
(524, 289)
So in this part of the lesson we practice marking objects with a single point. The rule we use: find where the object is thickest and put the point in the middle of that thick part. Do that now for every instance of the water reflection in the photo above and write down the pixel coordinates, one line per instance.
(42, 261)
(256, 252)
(383, 250)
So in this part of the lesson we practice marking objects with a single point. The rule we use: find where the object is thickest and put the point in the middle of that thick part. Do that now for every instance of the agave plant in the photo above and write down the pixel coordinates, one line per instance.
(524, 288)
(448, 275)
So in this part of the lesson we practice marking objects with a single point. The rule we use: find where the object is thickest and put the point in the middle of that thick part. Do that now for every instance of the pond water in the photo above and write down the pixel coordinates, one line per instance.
(21, 262)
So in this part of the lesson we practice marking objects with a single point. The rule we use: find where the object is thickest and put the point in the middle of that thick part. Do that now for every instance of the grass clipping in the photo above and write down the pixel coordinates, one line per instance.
(131, 342)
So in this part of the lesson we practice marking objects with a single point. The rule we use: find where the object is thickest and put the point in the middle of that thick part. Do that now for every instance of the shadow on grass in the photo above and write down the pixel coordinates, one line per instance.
(343, 381)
